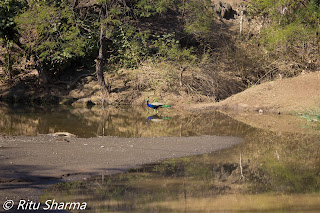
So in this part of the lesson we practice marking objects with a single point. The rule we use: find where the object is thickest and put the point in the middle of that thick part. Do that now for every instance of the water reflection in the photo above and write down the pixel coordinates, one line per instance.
(116, 121)
(280, 174)
(280, 170)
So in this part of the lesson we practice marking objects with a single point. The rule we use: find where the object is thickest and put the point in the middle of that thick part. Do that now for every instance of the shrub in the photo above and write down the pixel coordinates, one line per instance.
(54, 36)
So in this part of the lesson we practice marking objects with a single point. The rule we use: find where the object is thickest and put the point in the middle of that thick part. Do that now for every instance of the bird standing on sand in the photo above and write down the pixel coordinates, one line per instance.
(156, 105)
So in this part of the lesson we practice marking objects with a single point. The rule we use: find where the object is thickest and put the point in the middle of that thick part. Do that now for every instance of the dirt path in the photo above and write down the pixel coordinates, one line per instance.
(29, 164)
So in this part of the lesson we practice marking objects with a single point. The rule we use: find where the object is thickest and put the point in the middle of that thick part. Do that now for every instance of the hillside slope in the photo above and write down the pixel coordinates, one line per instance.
(289, 95)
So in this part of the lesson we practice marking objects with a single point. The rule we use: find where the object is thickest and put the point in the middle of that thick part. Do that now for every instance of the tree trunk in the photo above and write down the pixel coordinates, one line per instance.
(101, 57)
(8, 69)
(182, 69)
(42, 75)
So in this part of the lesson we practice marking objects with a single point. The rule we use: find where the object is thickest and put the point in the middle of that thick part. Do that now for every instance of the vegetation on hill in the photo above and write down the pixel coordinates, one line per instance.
(184, 47)
(290, 33)
(59, 34)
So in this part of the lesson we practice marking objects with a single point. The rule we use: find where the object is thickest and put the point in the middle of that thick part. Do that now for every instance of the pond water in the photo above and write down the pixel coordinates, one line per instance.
(116, 121)
(269, 172)
(272, 171)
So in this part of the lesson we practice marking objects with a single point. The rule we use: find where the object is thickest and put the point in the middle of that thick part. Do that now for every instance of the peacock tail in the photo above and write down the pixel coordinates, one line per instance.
(166, 106)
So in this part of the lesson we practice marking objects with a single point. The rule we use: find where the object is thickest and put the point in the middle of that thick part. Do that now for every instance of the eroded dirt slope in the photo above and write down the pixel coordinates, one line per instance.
(291, 95)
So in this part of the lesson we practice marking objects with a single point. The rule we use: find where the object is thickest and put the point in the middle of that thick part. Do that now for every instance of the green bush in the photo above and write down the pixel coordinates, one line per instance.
(8, 10)
(168, 48)
(9, 35)
(199, 17)
(55, 36)
(129, 46)
(292, 20)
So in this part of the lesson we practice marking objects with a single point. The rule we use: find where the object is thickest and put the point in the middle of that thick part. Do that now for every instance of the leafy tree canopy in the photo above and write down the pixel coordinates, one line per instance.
(61, 33)
(54, 35)
(8, 10)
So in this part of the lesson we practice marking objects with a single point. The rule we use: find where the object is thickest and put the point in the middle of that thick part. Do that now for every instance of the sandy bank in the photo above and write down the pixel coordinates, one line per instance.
(29, 164)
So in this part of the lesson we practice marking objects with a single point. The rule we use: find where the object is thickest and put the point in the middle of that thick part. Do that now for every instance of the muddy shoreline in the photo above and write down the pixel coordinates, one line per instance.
(32, 163)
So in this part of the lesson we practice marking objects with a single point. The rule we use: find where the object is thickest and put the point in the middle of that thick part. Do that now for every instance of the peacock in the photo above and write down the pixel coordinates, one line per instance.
(156, 105)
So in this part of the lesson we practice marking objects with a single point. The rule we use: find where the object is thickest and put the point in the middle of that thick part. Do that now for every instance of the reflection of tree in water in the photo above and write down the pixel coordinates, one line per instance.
(34, 122)
(119, 121)
(200, 181)
(12, 124)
